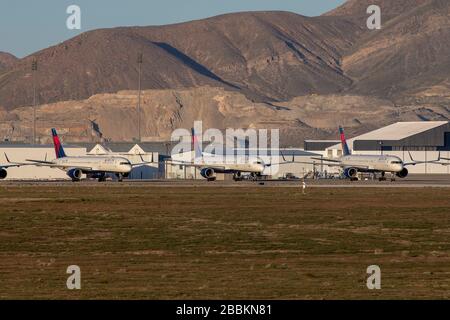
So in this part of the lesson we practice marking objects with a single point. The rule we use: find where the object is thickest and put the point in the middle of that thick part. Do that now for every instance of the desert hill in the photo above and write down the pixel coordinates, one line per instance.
(304, 75)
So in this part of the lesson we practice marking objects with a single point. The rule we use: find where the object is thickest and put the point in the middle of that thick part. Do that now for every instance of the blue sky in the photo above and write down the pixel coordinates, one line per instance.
(27, 26)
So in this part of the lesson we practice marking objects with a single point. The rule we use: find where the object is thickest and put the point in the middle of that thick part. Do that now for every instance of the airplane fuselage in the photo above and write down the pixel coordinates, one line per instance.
(95, 164)
(221, 165)
(372, 163)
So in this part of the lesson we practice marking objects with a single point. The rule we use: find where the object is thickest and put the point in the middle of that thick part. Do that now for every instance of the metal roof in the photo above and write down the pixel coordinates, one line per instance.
(36, 146)
(395, 132)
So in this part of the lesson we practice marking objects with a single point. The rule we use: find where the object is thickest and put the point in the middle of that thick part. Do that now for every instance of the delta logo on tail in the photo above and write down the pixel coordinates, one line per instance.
(59, 150)
(345, 148)
(197, 148)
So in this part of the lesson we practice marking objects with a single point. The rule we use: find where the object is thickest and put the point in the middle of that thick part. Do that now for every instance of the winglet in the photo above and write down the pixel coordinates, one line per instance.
(7, 159)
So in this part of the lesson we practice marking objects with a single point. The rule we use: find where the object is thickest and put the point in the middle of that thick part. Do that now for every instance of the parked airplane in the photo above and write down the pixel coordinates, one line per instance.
(354, 163)
(210, 164)
(3, 167)
(96, 167)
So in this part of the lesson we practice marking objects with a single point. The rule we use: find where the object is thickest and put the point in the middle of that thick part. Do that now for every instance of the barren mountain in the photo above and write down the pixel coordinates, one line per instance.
(274, 69)
(266, 55)
(409, 54)
(355, 9)
(6, 61)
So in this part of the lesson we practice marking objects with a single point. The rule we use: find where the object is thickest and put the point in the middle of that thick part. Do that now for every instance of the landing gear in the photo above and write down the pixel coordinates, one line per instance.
(102, 178)
(119, 177)
(383, 176)
(392, 177)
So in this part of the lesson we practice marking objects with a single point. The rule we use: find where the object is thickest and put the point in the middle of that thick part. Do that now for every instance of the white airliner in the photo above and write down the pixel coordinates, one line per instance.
(96, 167)
(210, 164)
(354, 163)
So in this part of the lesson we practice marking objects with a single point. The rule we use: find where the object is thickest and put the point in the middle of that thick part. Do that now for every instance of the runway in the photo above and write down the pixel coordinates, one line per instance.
(413, 181)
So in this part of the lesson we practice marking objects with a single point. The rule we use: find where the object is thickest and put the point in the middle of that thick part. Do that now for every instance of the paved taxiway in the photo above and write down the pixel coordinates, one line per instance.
(413, 181)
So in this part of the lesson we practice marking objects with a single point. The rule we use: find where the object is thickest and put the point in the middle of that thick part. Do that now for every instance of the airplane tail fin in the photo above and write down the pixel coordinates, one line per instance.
(59, 150)
(197, 149)
(345, 149)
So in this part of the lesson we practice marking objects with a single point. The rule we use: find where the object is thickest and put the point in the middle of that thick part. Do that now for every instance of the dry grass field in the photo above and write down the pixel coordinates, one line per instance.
(134, 242)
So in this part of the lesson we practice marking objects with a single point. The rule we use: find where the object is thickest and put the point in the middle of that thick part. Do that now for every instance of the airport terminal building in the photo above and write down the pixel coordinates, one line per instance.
(423, 139)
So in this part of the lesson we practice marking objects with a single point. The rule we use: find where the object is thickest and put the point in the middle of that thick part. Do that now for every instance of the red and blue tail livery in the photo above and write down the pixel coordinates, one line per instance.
(59, 150)
(345, 148)
(197, 148)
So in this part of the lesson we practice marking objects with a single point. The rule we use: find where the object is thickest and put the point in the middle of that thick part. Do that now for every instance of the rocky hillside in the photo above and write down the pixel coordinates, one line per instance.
(265, 55)
(410, 53)
(163, 111)
(6, 61)
(276, 69)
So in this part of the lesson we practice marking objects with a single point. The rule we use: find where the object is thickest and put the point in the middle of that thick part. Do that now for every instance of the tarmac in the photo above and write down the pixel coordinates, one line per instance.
(412, 181)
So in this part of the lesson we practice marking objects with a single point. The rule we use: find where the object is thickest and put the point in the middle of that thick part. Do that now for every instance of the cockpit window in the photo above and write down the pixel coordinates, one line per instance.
(124, 163)
(396, 162)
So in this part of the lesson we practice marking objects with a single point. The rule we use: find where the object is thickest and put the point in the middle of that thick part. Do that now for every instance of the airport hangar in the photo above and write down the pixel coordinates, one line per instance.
(423, 139)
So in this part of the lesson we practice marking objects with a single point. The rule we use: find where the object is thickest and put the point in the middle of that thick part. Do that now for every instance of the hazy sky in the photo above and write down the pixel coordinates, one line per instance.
(27, 26)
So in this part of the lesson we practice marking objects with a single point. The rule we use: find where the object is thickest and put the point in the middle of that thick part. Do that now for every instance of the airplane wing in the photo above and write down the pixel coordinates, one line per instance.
(12, 164)
(334, 162)
(415, 162)
(143, 162)
(444, 164)
(187, 164)
(36, 162)
(40, 163)
(6, 166)
(327, 159)
(337, 164)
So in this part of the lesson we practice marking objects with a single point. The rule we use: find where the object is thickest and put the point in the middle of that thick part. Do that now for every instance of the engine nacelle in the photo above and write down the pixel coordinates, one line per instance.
(350, 172)
(3, 174)
(403, 173)
(75, 174)
(208, 173)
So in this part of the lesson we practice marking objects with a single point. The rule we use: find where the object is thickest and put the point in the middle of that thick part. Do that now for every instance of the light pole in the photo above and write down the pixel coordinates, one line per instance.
(139, 61)
(34, 67)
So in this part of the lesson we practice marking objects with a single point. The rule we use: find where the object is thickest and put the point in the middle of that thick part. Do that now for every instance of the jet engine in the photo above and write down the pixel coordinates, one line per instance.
(208, 173)
(75, 174)
(350, 172)
(237, 176)
(403, 173)
(3, 174)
